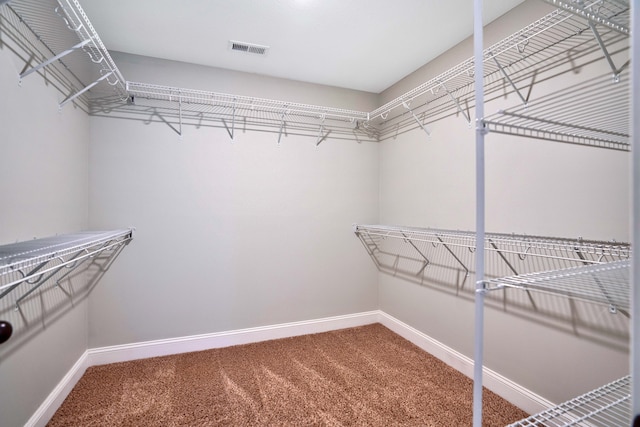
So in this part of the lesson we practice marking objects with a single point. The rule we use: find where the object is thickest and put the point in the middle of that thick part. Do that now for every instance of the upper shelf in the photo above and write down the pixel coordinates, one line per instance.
(57, 35)
(64, 39)
(614, 14)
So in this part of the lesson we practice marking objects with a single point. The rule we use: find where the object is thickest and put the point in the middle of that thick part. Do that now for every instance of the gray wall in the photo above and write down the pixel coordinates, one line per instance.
(228, 235)
(533, 187)
(44, 191)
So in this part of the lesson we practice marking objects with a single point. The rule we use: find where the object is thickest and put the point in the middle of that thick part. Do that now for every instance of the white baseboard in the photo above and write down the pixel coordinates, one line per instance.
(502, 386)
(142, 350)
(43, 414)
(495, 382)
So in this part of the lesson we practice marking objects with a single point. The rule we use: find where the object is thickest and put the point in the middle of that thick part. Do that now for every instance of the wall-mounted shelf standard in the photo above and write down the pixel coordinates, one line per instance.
(26, 266)
(609, 405)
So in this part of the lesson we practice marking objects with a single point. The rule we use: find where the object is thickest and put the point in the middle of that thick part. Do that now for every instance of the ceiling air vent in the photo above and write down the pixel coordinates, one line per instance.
(248, 47)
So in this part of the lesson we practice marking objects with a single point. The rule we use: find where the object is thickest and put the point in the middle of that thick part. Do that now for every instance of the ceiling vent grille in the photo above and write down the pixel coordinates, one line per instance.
(256, 49)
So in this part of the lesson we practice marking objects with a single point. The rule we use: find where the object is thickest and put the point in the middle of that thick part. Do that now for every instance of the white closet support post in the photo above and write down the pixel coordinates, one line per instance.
(480, 232)
(55, 58)
(635, 214)
(80, 92)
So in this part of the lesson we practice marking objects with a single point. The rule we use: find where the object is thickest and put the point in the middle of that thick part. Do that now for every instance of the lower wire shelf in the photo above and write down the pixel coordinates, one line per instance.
(609, 405)
(26, 266)
(606, 283)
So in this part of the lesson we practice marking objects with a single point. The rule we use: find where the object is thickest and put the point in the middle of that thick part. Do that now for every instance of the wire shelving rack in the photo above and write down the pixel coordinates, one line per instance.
(609, 405)
(58, 41)
(66, 42)
(26, 266)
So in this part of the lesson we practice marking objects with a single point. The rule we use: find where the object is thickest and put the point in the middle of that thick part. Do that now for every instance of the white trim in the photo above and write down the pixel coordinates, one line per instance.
(165, 347)
(45, 411)
(502, 386)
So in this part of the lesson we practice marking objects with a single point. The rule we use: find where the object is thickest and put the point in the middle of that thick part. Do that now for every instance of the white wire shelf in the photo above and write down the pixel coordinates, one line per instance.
(35, 261)
(593, 113)
(61, 35)
(517, 59)
(606, 283)
(614, 14)
(72, 45)
(595, 271)
(236, 110)
(592, 251)
(26, 266)
(607, 406)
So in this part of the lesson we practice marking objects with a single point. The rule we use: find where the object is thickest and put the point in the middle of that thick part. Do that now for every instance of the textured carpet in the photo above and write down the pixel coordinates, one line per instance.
(352, 377)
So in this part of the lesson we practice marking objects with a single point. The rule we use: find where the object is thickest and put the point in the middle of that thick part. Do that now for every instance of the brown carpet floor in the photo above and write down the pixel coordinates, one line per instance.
(365, 376)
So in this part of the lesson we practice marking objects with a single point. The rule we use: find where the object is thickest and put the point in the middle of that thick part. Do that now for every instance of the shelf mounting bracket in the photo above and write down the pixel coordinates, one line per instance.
(506, 76)
(506, 261)
(80, 92)
(282, 125)
(458, 106)
(426, 260)
(405, 105)
(55, 58)
(466, 270)
(616, 71)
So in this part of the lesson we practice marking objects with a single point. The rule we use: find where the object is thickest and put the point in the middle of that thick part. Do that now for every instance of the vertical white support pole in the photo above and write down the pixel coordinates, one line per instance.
(480, 221)
(635, 212)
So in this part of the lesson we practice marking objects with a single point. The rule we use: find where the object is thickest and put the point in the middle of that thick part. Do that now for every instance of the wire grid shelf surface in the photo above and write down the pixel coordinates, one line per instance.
(606, 283)
(30, 259)
(588, 270)
(536, 47)
(599, 251)
(614, 14)
(71, 43)
(606, 406)
(451, 92)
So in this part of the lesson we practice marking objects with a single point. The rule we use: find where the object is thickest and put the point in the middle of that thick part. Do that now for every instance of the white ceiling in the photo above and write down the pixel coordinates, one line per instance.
(358, 44)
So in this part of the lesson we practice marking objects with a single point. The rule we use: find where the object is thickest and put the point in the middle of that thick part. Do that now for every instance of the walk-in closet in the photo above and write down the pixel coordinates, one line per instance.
(459, 178)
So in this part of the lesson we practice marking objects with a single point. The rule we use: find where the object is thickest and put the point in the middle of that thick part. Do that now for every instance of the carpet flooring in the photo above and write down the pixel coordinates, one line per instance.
(364, 376)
